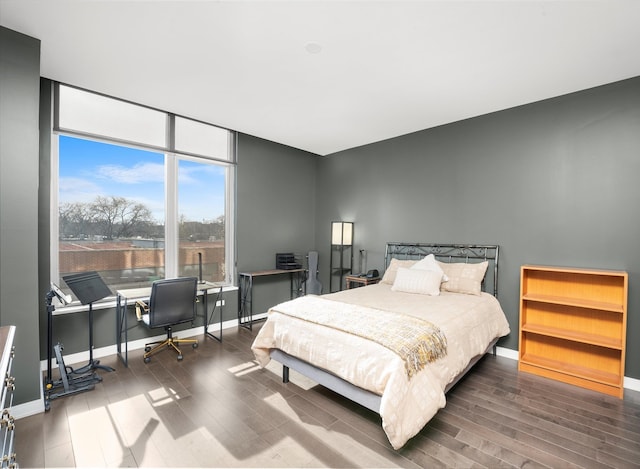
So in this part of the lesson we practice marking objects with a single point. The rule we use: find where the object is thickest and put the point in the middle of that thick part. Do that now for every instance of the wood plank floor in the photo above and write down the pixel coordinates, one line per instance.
(216, 408)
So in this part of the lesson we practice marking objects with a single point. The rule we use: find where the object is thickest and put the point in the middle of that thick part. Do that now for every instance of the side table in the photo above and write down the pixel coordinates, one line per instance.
(354, 281)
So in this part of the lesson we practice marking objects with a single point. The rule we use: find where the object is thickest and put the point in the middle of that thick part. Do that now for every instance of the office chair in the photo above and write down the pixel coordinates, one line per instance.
(172, 301)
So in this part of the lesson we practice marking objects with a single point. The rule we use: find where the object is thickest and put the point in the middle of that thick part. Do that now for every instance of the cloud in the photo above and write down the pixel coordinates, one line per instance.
(73, 189)
(200, 174)
(141, 173)
(71, 184)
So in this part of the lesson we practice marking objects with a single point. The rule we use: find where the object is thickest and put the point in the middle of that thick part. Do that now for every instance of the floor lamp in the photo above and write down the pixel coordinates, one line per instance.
(341, 242)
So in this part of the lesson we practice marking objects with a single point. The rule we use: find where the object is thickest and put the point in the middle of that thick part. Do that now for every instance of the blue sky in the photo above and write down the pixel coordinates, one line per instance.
(89, 168)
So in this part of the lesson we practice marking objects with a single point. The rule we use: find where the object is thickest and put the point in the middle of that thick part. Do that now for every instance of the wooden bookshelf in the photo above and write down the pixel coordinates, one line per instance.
(573, 326)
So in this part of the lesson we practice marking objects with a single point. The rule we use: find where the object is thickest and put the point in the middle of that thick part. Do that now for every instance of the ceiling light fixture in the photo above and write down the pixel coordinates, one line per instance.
(313, 47)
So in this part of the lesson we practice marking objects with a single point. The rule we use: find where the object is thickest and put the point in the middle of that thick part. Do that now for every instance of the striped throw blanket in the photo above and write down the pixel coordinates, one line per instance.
(416, 341)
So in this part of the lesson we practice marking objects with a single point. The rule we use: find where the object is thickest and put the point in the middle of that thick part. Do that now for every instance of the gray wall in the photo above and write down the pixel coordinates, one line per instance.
(19, 109)
(552, 183)
(275, 211)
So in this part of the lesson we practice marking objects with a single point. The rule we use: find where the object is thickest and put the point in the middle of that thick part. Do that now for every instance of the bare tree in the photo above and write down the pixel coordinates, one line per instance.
(201, 230)
(119, 217)
(217, 228)
(112, 217)
(74, 220)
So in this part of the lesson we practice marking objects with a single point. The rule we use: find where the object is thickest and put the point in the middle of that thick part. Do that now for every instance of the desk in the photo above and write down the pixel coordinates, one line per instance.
(134, 294)
(245, 292)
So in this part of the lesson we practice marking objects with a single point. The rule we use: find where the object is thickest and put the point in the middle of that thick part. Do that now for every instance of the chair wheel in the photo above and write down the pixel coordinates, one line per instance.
(195, 345)
(180, 357)
(147, 359)
(147, 349)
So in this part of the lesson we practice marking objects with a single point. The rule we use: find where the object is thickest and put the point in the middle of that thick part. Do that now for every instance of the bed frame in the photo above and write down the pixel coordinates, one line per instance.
(469, 253)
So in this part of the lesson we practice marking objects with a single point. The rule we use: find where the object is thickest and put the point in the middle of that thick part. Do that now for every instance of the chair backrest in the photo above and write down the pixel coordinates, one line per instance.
(172, 301)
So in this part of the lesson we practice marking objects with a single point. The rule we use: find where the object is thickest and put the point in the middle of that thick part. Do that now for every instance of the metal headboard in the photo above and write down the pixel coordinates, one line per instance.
(469, 253)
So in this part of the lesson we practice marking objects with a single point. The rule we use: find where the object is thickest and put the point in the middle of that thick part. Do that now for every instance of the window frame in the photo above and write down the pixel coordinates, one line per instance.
(171, 163)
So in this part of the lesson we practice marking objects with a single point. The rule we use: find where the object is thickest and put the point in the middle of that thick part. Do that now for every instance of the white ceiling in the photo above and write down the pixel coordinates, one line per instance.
(325, 76)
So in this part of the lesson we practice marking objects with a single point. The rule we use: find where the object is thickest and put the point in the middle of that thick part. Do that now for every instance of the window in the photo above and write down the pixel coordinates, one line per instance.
(138, 194)
(201, 234)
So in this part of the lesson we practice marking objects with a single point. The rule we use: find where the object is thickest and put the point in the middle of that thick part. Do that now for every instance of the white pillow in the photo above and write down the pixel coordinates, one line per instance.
(390, 274)
(464, 278)
(425, 282)
(429, 263)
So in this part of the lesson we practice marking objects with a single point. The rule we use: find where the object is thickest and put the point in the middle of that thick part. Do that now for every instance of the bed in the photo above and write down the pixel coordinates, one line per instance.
(398, 346)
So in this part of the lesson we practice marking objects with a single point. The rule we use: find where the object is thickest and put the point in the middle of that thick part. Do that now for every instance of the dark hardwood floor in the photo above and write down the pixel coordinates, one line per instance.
(217, 408)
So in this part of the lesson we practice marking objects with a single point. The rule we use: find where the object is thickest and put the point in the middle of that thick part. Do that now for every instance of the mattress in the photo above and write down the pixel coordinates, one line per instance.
(469, 322)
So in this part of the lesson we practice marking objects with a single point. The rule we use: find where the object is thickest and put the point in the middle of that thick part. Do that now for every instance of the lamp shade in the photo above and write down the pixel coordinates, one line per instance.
(342, 233)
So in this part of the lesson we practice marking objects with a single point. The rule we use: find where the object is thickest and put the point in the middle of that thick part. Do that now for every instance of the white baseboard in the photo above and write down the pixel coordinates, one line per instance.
(28, 408)
(35, 407)
(631, 383)
(507, 353)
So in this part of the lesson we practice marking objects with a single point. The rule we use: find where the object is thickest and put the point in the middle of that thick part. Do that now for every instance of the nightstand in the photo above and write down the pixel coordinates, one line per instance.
(354, 281)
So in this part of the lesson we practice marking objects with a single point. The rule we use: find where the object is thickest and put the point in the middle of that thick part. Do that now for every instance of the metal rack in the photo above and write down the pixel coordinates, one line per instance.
(7, 422)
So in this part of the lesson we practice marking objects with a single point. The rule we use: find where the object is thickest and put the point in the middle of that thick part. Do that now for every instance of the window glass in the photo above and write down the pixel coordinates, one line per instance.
(127, 204)
(201, 139)
(201, 220)
(93, 114)
(111, 212)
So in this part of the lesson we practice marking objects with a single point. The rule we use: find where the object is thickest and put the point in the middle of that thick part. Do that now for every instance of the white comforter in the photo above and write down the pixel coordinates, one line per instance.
(469, 323)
